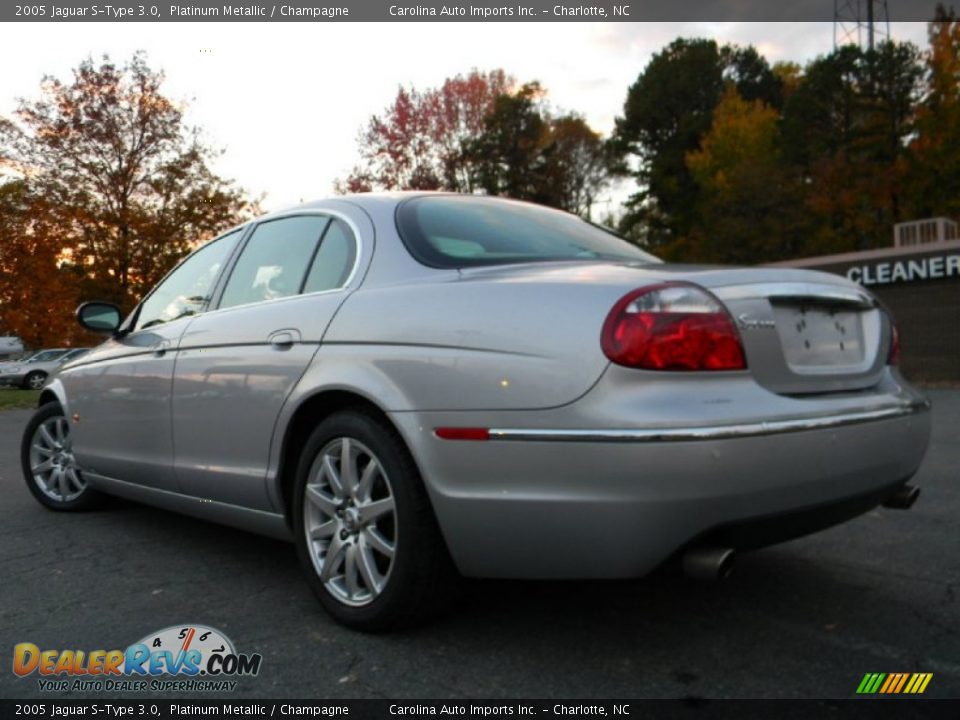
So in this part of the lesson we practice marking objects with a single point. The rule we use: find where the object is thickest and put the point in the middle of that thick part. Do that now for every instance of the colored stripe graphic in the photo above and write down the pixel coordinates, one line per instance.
(894, 683)
(903, 681)
(918, 683)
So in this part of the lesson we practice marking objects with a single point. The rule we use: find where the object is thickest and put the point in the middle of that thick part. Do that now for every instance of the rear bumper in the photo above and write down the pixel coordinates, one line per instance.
(587, 503)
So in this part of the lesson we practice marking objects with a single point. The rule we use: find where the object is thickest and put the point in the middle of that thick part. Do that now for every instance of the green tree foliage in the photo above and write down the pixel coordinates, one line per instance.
(528, 154)
(127, 185)
(746, 210)
(737, 161)
(576, 165)
(667, 112)
(506, 158)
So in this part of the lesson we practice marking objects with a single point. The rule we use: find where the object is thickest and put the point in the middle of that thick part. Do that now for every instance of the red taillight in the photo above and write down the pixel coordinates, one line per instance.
(673, 326)
(893, 357)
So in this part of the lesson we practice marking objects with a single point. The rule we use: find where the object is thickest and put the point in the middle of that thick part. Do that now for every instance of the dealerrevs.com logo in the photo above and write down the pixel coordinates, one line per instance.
(200, 658)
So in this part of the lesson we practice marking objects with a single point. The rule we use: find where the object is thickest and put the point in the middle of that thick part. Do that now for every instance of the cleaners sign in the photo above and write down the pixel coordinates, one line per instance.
(926, 267)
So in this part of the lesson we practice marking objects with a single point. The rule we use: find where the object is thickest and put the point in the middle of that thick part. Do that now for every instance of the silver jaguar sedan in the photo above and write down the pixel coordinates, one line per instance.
(414, 385)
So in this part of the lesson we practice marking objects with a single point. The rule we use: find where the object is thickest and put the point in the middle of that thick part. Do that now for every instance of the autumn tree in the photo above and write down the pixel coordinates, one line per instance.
(576, 164)
(126, 184)
(38, 293)
(418, 141)
(667, 112)
(528, 153)
(480, 133)
(846, 128)
(934, 179)
(749, 208)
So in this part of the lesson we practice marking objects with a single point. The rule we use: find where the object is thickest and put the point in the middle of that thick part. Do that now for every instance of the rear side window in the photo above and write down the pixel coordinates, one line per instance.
(47, 356)
(275, 260)
(450, 231)
(334, 260)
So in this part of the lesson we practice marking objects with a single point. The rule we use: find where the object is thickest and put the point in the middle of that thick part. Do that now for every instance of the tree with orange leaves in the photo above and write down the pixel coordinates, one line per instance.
(37, 290)
(934, 178)
(126, 186)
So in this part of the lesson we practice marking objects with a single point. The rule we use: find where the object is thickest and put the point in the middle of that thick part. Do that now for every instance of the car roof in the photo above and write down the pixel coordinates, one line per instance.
(373, 201)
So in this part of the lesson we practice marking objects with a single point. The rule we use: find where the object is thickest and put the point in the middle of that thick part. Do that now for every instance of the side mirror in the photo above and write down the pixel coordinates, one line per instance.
(99, 317)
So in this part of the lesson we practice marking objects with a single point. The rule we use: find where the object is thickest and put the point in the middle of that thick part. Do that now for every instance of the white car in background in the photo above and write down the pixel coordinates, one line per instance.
(10, 345)
(32, 372)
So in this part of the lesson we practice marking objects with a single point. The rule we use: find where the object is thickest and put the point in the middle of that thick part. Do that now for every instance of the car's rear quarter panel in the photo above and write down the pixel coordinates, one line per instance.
(617, 509)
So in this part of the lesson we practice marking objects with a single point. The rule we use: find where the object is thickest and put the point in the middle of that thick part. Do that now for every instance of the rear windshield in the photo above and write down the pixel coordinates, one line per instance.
(451, 231)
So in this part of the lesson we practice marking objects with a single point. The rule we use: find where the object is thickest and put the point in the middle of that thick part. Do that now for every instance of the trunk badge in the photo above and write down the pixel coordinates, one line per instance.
(748, 323)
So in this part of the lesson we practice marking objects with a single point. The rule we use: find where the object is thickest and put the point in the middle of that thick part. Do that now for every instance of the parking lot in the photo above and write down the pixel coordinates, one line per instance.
(807, 618)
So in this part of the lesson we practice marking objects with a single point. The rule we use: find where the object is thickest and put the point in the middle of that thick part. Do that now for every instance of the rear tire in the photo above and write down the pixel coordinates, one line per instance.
(49, 468)
(365, 531)
(35, 380)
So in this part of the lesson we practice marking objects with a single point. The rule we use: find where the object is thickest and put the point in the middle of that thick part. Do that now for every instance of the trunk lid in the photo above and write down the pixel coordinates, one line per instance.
(803, 331)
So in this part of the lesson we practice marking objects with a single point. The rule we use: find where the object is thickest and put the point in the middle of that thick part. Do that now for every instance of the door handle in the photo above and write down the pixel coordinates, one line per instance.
(160, 349)
(282, 340)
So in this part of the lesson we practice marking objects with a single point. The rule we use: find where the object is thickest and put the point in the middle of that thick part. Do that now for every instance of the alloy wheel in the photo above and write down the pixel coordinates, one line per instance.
(350, 521)
(52, 464)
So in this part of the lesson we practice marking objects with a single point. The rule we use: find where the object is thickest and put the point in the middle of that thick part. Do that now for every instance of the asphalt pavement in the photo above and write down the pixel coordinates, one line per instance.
(804, 619)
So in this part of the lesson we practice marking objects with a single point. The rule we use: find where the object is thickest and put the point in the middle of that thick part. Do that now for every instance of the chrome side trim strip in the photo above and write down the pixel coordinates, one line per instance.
(709, 432)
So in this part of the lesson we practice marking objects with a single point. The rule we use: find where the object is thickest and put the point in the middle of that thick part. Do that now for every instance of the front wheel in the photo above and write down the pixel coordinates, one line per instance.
(51, 471)
(365, 531)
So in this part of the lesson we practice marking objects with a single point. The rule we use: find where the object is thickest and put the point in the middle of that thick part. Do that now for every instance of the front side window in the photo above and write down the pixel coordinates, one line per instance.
(186, 291)
(275, 260)
(451, 231)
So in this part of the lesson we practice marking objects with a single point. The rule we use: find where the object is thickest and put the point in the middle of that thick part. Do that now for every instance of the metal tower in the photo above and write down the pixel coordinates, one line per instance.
(860, 22)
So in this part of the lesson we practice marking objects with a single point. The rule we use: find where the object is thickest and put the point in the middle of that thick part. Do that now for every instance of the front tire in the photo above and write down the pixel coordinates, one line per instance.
(365, 532)
(49, 468)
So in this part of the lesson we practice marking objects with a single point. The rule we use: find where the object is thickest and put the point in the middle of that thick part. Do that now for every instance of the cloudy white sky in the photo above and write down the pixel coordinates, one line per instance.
(285, 101)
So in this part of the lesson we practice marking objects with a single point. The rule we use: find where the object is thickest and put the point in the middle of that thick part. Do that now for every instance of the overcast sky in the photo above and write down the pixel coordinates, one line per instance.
(285, 101)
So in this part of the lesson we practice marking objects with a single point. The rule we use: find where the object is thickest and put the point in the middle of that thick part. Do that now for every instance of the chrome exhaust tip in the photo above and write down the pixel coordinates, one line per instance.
(903, 498)
(705, 563)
